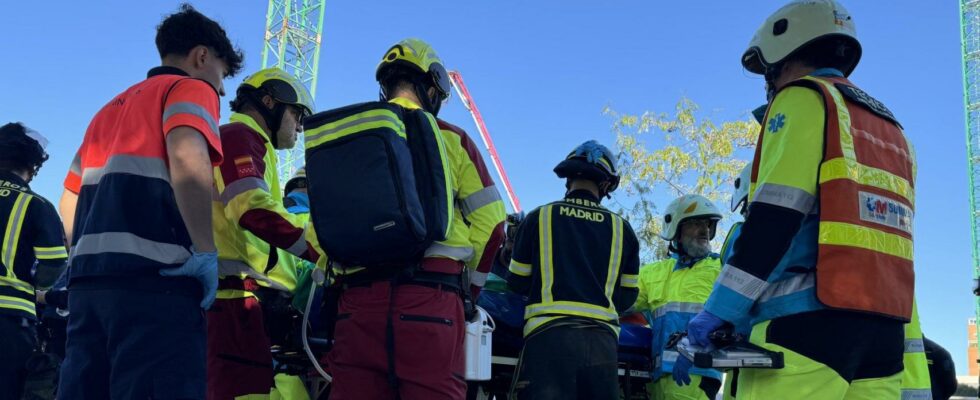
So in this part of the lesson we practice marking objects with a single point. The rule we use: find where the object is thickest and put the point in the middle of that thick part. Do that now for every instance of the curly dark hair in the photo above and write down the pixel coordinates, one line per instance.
(182, 31)
(19, 152)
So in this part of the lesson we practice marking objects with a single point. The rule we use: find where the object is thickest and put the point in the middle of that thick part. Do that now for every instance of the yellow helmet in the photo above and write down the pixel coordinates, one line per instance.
(298, 181)
(798, 24)
(282, 86)
(415, 55)
(684, 208)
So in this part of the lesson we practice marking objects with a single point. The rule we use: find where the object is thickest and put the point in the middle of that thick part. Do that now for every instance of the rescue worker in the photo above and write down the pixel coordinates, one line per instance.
(137, 208)
(33, 235)
(674, 289)
(823, 264)
(296, 199)
(251, 225)
(419, 355)
(577, 263)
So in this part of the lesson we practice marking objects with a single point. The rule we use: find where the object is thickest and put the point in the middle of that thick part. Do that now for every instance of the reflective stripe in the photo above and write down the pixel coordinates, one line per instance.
(519, 268)
(843, 117)
(570, 308)
(478, 278)
(147, 167)
(742, 282)
(17, 304)
(785, 196)
(914, 346)
(240, 268)
(844, 234)
(443, 250)
(842, 168)
(370, 119)
(478, 199)
(798, 283)
(534, 323)
(76, 164)
(615, 256)
(128, 243)
(186, 107)
(11, 236)
(299, 247)
(241, 186)
(547, 266)
(692, 308)
(916, 394)
(18, 284)
(629, 281)
(49, 253)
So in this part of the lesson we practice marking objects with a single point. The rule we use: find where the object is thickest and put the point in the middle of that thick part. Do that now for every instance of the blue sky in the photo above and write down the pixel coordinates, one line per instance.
(541, 73)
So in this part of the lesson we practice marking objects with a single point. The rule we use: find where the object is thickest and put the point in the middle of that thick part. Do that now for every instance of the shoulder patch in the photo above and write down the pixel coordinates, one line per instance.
(863, 98)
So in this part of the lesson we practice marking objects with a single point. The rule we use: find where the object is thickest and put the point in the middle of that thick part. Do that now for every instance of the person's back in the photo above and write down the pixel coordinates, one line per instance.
(32, 254)
(136, 205)
(577, 263)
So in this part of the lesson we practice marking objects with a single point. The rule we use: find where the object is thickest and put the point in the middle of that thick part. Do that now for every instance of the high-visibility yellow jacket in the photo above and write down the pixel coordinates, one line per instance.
(671, 293)
(916, 383)
(252, 229)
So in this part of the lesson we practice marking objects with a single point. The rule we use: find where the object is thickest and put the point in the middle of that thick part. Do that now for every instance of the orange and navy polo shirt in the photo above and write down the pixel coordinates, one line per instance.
(126, 221)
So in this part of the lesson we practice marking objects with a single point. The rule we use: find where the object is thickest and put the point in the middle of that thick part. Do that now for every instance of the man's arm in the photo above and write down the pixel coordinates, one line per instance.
(66, 207)
(627, 290)
(246, 198)
(48, 243)
(784, 193)
(191, 178)
(521, 269)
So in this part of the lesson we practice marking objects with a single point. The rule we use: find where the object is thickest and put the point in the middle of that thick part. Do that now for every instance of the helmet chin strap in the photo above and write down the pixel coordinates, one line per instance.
(422, 92)
(273, 116)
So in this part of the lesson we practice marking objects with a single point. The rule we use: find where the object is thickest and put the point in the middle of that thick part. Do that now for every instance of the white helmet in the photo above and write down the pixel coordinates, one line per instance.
(686, 207)
(740, 197)
(798, 24)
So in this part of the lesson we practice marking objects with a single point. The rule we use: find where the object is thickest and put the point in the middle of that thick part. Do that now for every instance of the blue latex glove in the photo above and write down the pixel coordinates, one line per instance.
(680, 371)
(204, 268)
(700, 326)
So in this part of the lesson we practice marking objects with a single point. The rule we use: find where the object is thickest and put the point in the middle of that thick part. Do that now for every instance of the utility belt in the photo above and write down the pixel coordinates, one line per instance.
(438, 273)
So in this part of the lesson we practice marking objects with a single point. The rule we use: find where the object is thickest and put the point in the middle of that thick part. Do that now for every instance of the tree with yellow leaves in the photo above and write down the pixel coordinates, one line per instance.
(688, 154)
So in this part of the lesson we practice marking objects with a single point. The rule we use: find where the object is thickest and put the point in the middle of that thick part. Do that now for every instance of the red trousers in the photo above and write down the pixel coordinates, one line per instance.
(428, 335)
(239, 356)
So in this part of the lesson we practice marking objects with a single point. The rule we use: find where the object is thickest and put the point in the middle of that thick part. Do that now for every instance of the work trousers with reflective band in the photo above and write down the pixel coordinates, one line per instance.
(426, 340)
(125, 343)
(239, 356)
(568, 363)
(701, 388)
(828, 355)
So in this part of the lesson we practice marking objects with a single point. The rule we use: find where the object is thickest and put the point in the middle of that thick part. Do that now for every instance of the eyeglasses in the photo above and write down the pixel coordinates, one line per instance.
(299, 112)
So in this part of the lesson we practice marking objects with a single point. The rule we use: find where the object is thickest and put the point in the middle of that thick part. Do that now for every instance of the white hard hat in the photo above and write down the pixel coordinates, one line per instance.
(796, 25)
(740, 197)
(686, 207)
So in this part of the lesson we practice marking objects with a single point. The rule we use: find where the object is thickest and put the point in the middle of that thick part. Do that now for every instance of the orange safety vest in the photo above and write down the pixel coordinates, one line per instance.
(866, 204)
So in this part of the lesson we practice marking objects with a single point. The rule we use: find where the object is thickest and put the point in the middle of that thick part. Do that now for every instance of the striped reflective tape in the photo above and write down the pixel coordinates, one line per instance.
(189, 108)
(844, 234)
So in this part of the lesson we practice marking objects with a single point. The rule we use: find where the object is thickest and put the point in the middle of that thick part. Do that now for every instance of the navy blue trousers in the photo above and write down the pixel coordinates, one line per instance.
(128, 343)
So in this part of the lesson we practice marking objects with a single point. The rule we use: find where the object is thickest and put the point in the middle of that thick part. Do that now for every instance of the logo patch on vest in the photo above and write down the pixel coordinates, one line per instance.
(885, 211)
(776, 122)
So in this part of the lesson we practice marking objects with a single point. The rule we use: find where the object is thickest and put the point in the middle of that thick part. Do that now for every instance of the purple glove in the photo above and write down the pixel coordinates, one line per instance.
(680, 372)
(700, 326)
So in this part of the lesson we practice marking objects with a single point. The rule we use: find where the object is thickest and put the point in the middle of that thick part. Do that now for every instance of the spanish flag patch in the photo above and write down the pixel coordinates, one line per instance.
(245, 166)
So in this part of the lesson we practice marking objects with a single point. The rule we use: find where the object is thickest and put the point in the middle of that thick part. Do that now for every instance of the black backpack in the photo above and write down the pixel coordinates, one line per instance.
(379, 183)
